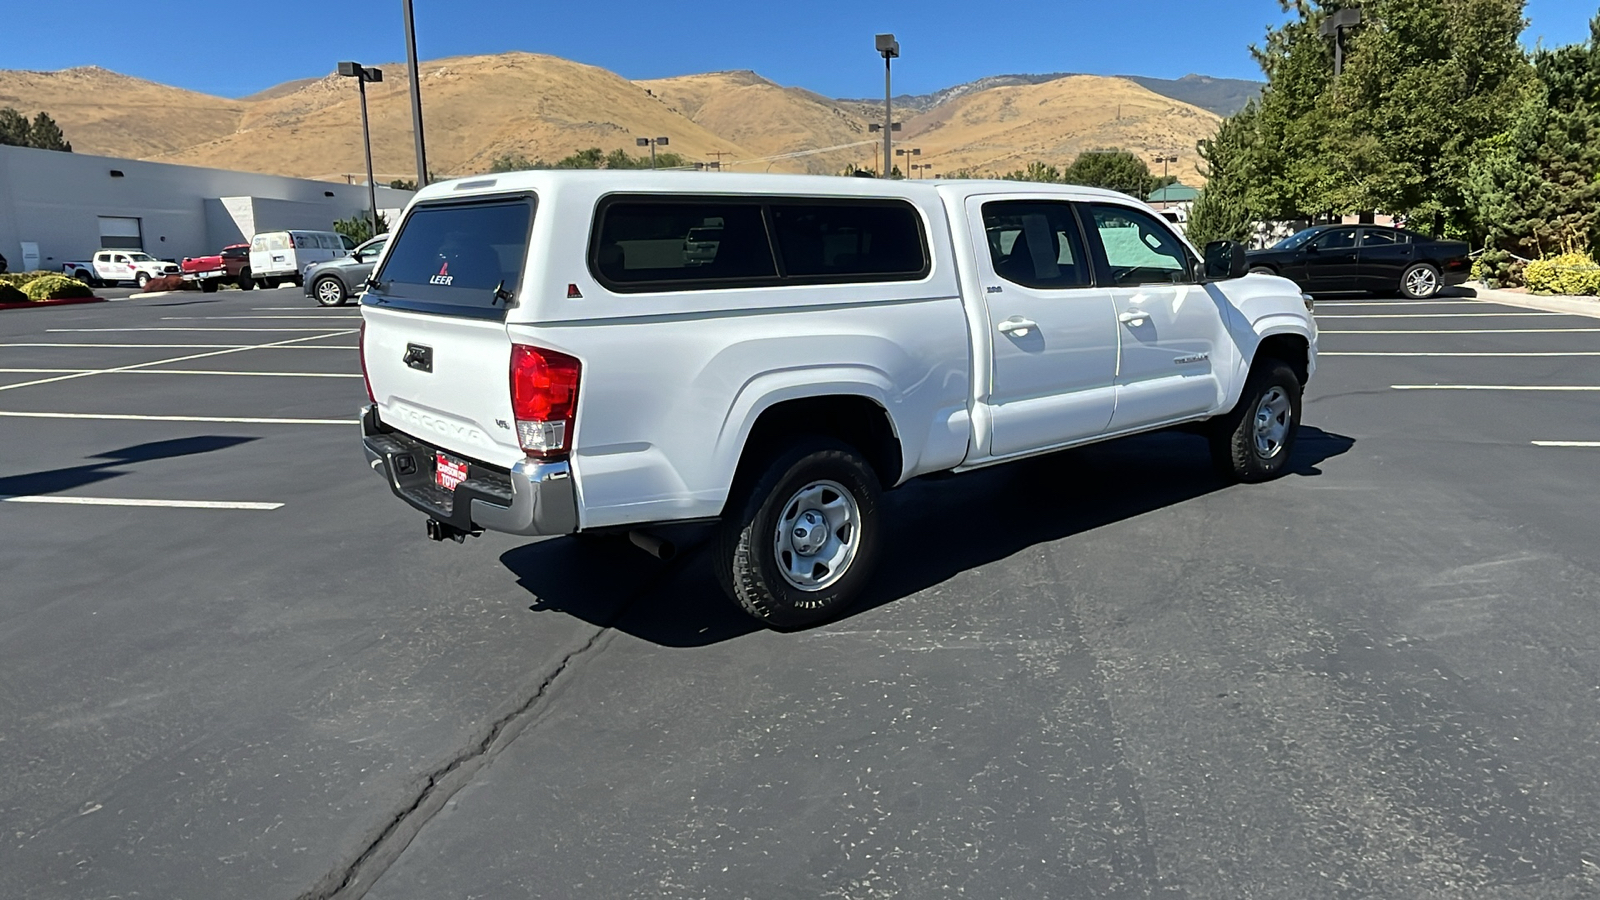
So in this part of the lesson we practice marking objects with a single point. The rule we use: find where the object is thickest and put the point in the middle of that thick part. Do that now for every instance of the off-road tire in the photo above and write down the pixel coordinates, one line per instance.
(1234, 437)
(744, 555)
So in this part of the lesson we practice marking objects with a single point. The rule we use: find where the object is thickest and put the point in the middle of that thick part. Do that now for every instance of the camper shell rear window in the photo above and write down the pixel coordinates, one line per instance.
(674, 242)
(459, 257)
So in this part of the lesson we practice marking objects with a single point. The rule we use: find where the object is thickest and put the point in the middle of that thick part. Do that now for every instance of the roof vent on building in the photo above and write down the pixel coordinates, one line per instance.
(116, 173)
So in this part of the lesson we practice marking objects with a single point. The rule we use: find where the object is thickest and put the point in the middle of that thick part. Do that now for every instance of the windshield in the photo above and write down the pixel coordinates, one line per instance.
(457, 258)
(1296, 239)
(141, 257)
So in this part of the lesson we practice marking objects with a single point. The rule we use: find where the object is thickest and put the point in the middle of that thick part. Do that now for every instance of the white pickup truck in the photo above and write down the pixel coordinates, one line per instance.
(565, 352)
(112, 266)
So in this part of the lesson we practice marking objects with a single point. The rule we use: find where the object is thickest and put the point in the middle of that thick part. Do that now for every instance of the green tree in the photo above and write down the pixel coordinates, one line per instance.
(14, 129)
(1535, 187)
(358, 227)
(1037, 172)
(1222, 211)
(1117, 170)
(45, 134)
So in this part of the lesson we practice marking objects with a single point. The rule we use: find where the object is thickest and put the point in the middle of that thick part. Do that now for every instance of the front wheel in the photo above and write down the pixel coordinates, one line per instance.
(1419, 282)
(329, 291)
(1263, 270)
(141, 280)
(1254, 441)
(799, 544)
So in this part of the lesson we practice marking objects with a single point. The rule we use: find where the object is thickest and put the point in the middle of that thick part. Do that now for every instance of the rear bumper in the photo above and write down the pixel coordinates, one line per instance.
(532, 498)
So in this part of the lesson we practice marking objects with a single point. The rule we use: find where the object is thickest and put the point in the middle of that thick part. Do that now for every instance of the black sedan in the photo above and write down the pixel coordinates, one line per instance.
(1328, 258)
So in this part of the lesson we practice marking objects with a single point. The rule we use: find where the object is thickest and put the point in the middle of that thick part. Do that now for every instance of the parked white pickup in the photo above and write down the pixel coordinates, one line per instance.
(559, 352)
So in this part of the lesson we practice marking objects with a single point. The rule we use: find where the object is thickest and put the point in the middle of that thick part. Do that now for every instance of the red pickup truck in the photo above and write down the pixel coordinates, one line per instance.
(232, 265)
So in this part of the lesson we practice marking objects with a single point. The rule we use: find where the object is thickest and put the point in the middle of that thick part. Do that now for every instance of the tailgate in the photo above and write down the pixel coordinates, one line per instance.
(443, 380)
(437, 352)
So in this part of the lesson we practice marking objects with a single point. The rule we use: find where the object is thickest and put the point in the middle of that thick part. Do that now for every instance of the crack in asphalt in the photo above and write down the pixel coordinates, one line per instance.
(352, 881)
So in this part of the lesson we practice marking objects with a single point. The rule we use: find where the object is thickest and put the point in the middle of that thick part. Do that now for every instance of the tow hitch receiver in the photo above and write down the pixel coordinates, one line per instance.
(438, 531)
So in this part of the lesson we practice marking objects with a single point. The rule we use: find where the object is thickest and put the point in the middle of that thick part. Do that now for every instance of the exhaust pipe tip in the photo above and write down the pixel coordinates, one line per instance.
(658, 547)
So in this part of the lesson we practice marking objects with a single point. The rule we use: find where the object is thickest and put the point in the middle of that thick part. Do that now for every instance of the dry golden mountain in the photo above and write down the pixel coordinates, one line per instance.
(476, 108)
(105, 113)
(1006, 128)
(770, 120)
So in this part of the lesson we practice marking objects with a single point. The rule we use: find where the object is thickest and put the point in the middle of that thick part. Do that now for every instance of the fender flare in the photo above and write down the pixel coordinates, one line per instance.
(768, 389)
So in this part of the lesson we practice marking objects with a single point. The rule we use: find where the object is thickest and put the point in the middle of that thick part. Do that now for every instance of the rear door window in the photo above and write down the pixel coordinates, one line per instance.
(461, 258)
(1035, 243)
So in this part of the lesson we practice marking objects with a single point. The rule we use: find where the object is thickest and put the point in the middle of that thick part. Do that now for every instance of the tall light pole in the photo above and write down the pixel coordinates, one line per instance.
(362, 75)
(1167, 156)
(914, 151)
(888, 48)
(874, 128)
(1335, 26)
(652, 143)
(416, 97)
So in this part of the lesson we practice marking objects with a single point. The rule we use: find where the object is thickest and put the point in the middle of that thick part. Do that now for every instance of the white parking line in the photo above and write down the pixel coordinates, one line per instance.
(286, 309)
(1322, 303)
(125, 346)
(1473, 331)
(236, 318)
(1462, 315)
(1495, 387)
(1464, 353)
(1566, 443)
(330, 329)
(159, 362)
(226, 372)
(129, 501)
(128, 417)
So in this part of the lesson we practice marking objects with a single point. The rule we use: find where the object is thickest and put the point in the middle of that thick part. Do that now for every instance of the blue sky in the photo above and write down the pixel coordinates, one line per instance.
(825, 46)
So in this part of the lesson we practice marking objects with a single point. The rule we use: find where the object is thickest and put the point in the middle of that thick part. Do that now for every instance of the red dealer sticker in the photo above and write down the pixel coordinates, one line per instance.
(449, 471)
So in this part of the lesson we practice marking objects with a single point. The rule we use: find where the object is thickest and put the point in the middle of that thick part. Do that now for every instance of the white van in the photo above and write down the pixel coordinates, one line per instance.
(279, 256)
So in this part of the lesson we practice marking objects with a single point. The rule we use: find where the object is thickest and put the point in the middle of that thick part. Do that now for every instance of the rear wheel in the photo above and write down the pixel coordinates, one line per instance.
(329, 291)
(800, 542)
(245, 281)
(1420, 281)
(208, 285)
(1254, 441)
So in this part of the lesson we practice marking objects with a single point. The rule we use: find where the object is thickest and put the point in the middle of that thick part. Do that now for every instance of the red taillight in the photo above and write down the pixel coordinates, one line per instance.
(544, 399)
(361, 350)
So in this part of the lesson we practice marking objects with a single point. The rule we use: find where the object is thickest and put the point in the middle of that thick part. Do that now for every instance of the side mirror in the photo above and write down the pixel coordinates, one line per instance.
(1224, 260)
(1313, 248)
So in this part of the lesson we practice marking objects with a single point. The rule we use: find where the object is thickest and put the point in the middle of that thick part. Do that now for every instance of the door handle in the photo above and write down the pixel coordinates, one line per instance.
(1018, 326)
(1132, 317)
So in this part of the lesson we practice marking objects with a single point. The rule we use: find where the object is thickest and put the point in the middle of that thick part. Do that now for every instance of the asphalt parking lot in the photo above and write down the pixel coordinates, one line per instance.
(234, 667)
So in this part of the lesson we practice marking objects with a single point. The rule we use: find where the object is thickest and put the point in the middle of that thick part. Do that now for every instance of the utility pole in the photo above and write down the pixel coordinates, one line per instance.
(416, 97)
(889, 49)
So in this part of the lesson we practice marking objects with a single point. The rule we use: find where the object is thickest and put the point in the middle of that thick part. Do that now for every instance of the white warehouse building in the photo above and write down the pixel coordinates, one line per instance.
(56, 207)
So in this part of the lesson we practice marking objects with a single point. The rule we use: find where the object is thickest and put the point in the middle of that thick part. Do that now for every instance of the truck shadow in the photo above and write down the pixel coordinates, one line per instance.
(56, 480)
(982, 517)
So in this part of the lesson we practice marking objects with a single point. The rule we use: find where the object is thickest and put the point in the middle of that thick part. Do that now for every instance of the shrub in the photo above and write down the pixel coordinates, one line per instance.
(55, 287)
(9, 294)
(21, 279)
(1572, 272)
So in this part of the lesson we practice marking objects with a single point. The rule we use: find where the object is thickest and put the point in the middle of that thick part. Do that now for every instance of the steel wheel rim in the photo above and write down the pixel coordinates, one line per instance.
(817, 536)
(328, 291)
(1272, 420)
(1421, 282)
